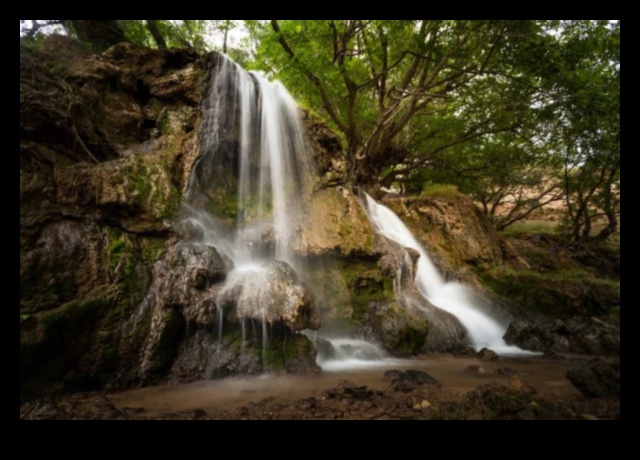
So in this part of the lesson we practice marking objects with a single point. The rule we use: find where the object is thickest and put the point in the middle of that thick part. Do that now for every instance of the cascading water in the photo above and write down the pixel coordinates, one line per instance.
(453, 297)
(268, 171)
(252, 146)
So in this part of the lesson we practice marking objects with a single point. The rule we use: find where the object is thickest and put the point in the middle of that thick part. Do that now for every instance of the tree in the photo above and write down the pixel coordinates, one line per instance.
(585, 86)
(101, 34)
(395, 89)
(525, 112)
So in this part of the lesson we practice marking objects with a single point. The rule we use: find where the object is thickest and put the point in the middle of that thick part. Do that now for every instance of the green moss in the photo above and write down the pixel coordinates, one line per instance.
(117, 250)
(153, 190)
(556, 293)
(164, 124)
(410, 341)
(285, 349)
(71, 317)
(152, 249)
(365, 283)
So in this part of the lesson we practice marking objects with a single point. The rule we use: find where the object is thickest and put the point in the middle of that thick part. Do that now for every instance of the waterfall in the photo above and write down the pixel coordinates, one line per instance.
(453, 297)
(252, 145)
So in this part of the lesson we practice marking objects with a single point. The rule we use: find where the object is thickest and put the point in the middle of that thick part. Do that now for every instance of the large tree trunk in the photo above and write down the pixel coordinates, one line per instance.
(155, 33)
(609, 229)
(99, 34)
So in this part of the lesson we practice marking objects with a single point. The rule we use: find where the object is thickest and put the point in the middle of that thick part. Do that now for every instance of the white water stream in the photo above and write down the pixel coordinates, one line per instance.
(453, 297)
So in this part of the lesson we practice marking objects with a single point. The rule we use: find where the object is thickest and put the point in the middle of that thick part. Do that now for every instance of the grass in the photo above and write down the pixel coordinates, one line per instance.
(567, 274)
(439, 189)
(539, 227)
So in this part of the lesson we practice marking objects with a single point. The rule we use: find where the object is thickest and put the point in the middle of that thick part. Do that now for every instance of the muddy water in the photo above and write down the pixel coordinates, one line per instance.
(545, 375)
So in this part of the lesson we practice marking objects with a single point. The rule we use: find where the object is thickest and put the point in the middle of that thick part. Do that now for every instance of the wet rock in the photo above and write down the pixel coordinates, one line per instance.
(445, 332)
(576, 335)
(457, 233)
(98, 191)
(392, 374)
(599, 408)
(475, 369)
(509, 371)
(411, 379)
(487, 354)
(306, 404)
(325, 349)
(271, 293)
(461, 350)
(597, 378)
(183, 278)
(551, 354)
(398, 329)
(347, 390)
(494, 401)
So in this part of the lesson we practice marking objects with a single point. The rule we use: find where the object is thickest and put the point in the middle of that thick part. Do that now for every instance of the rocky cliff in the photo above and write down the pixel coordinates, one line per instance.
(115, 289)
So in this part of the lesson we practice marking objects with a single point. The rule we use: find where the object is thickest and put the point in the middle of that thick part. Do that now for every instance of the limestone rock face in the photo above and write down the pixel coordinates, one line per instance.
(184, 278)
(107, 143)
(107, 138)
(108, 294)
(451, 227)
(337, 224)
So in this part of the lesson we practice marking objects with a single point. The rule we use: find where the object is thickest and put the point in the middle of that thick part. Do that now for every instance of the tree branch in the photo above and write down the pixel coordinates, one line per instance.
(326, 103)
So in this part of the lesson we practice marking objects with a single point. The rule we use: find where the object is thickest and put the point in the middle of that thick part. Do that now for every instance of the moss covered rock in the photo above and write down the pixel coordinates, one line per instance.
(99, 184)
(337, 224)
(398, 329)
(560, 293)
(451, 227)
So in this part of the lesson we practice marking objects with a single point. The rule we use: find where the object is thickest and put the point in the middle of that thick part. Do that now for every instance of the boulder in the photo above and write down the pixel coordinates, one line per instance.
(487, 354)
(411, 379)
(398, 329)
(575, 335)
(597, 378)
(272, 293)
(325, 349)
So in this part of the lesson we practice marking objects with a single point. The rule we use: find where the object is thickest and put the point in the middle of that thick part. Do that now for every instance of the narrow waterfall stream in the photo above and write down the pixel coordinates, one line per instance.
(453, 297)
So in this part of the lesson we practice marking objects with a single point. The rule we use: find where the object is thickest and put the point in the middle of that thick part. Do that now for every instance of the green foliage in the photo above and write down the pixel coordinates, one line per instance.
(518, 114)
(176, 33)
(396, 89)
(583, 83)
